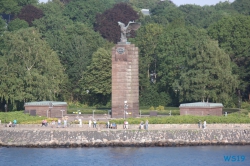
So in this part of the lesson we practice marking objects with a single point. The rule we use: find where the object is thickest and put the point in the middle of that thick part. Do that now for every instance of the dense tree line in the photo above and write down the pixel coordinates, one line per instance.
(61, 50)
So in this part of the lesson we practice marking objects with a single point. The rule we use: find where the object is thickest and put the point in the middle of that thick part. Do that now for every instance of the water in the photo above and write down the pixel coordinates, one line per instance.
(125, 156)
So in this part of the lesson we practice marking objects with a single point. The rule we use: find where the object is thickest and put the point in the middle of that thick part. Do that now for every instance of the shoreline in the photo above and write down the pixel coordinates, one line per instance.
(122, 144)
(41, 137)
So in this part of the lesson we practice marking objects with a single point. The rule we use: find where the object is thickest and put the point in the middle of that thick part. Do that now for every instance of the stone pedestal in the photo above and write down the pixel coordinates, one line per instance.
(125, 81)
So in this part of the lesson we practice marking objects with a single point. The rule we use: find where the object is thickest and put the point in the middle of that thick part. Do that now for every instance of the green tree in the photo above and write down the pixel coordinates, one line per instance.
(85, 10)
(17, 24)
(30, 70)
(147, 41)
(233, 36)
(29, 13)
(242, 6)
(207, 73)
(75, 46)
(97, 78)
(53, 19)
(173, 46)
(13, 7)
(74, 42)
(27, 2)
(166, 12)
(9, 6)
(2, 26)
(143, 4)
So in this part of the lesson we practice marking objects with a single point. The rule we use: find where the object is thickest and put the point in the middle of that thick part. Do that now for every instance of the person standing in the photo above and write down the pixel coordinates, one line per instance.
(59, 123)
(126, 124)
(14, 122)
(65, 122)
(205, 124)
(108, 125)
(53, 123)
(90, 122)
(146, 125)
(45, 123)
(141, 125)
(94, 123)
(80, 122)
(10, 124)
(199, 124)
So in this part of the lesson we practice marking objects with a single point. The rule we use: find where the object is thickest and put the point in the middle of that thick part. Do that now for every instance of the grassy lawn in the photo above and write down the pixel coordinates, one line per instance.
(21, 118)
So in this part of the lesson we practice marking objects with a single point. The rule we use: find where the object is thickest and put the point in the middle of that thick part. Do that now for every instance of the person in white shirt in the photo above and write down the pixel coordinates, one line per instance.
(204, 124)
(90, 122)
(80, 122)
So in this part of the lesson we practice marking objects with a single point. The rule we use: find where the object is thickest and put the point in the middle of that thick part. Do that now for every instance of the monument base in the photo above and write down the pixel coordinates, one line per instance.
(125, 81)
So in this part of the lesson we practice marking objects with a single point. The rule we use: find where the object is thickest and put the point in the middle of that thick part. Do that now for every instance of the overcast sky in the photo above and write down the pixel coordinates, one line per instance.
(183, 2)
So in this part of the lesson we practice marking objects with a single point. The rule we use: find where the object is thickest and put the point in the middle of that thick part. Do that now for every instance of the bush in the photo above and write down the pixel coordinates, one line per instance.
(160, 108)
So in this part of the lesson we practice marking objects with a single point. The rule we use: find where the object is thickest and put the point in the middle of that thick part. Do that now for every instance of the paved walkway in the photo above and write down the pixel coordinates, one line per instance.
(101, 127)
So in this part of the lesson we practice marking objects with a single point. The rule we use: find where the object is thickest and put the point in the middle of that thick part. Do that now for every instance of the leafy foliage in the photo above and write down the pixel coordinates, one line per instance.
(233, 34)
(17, 24)
(30, 69)
(242, 6)
(85, 10)
(208, 74)
(9, 6)
(97, 77)
(29, 13)
(2, 26)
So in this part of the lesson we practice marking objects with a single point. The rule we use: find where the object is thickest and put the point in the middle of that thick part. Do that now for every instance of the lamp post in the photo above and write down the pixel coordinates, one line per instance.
(93, 114)
(125, 108)
(239, 101)
(177, 95)
(50, 107)
(62, 112)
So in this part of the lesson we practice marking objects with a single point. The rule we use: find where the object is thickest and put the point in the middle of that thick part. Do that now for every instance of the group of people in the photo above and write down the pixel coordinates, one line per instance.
(144, 126)
(94, 123)
(202, 125)
(53, 123)
(12, 124)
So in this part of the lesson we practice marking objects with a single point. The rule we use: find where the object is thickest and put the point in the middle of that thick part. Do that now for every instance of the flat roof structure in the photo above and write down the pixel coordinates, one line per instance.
(145, 12)
(201, 108)
(50, 109)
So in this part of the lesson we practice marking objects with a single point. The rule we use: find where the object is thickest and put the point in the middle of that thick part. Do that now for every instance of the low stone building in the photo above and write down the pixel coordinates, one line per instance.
(201, 109)
(50, 109)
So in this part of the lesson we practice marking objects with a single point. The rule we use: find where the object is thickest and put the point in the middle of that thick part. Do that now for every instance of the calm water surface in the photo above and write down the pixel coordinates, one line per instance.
(126, 156)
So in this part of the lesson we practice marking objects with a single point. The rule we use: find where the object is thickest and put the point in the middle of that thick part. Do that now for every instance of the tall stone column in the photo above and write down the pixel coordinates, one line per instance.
(125, 80)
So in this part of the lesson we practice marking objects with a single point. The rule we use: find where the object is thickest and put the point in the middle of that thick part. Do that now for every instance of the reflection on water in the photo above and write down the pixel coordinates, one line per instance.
(124, 156)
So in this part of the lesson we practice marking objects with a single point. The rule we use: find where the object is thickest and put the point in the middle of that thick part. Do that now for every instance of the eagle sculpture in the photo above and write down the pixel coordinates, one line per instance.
(126, 29)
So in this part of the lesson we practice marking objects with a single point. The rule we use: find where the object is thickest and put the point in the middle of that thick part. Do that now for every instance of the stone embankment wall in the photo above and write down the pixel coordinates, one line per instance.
(75, 137)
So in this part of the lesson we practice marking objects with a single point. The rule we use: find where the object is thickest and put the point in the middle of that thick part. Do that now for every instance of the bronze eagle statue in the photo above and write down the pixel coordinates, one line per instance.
(126, 29)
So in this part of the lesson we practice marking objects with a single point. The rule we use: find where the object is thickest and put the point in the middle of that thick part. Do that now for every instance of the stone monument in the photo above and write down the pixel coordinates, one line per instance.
(125, 75)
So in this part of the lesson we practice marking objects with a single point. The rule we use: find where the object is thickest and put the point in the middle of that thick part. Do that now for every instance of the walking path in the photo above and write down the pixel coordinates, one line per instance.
(100, 127)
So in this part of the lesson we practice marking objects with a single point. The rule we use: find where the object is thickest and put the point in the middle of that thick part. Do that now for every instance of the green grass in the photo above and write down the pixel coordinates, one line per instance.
(21, 118)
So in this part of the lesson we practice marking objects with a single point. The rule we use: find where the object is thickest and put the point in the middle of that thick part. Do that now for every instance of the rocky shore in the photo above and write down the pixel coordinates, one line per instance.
(76, 137)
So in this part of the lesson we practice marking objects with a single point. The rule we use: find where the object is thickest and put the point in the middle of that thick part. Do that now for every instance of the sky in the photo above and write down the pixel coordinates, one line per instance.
(183, 2)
